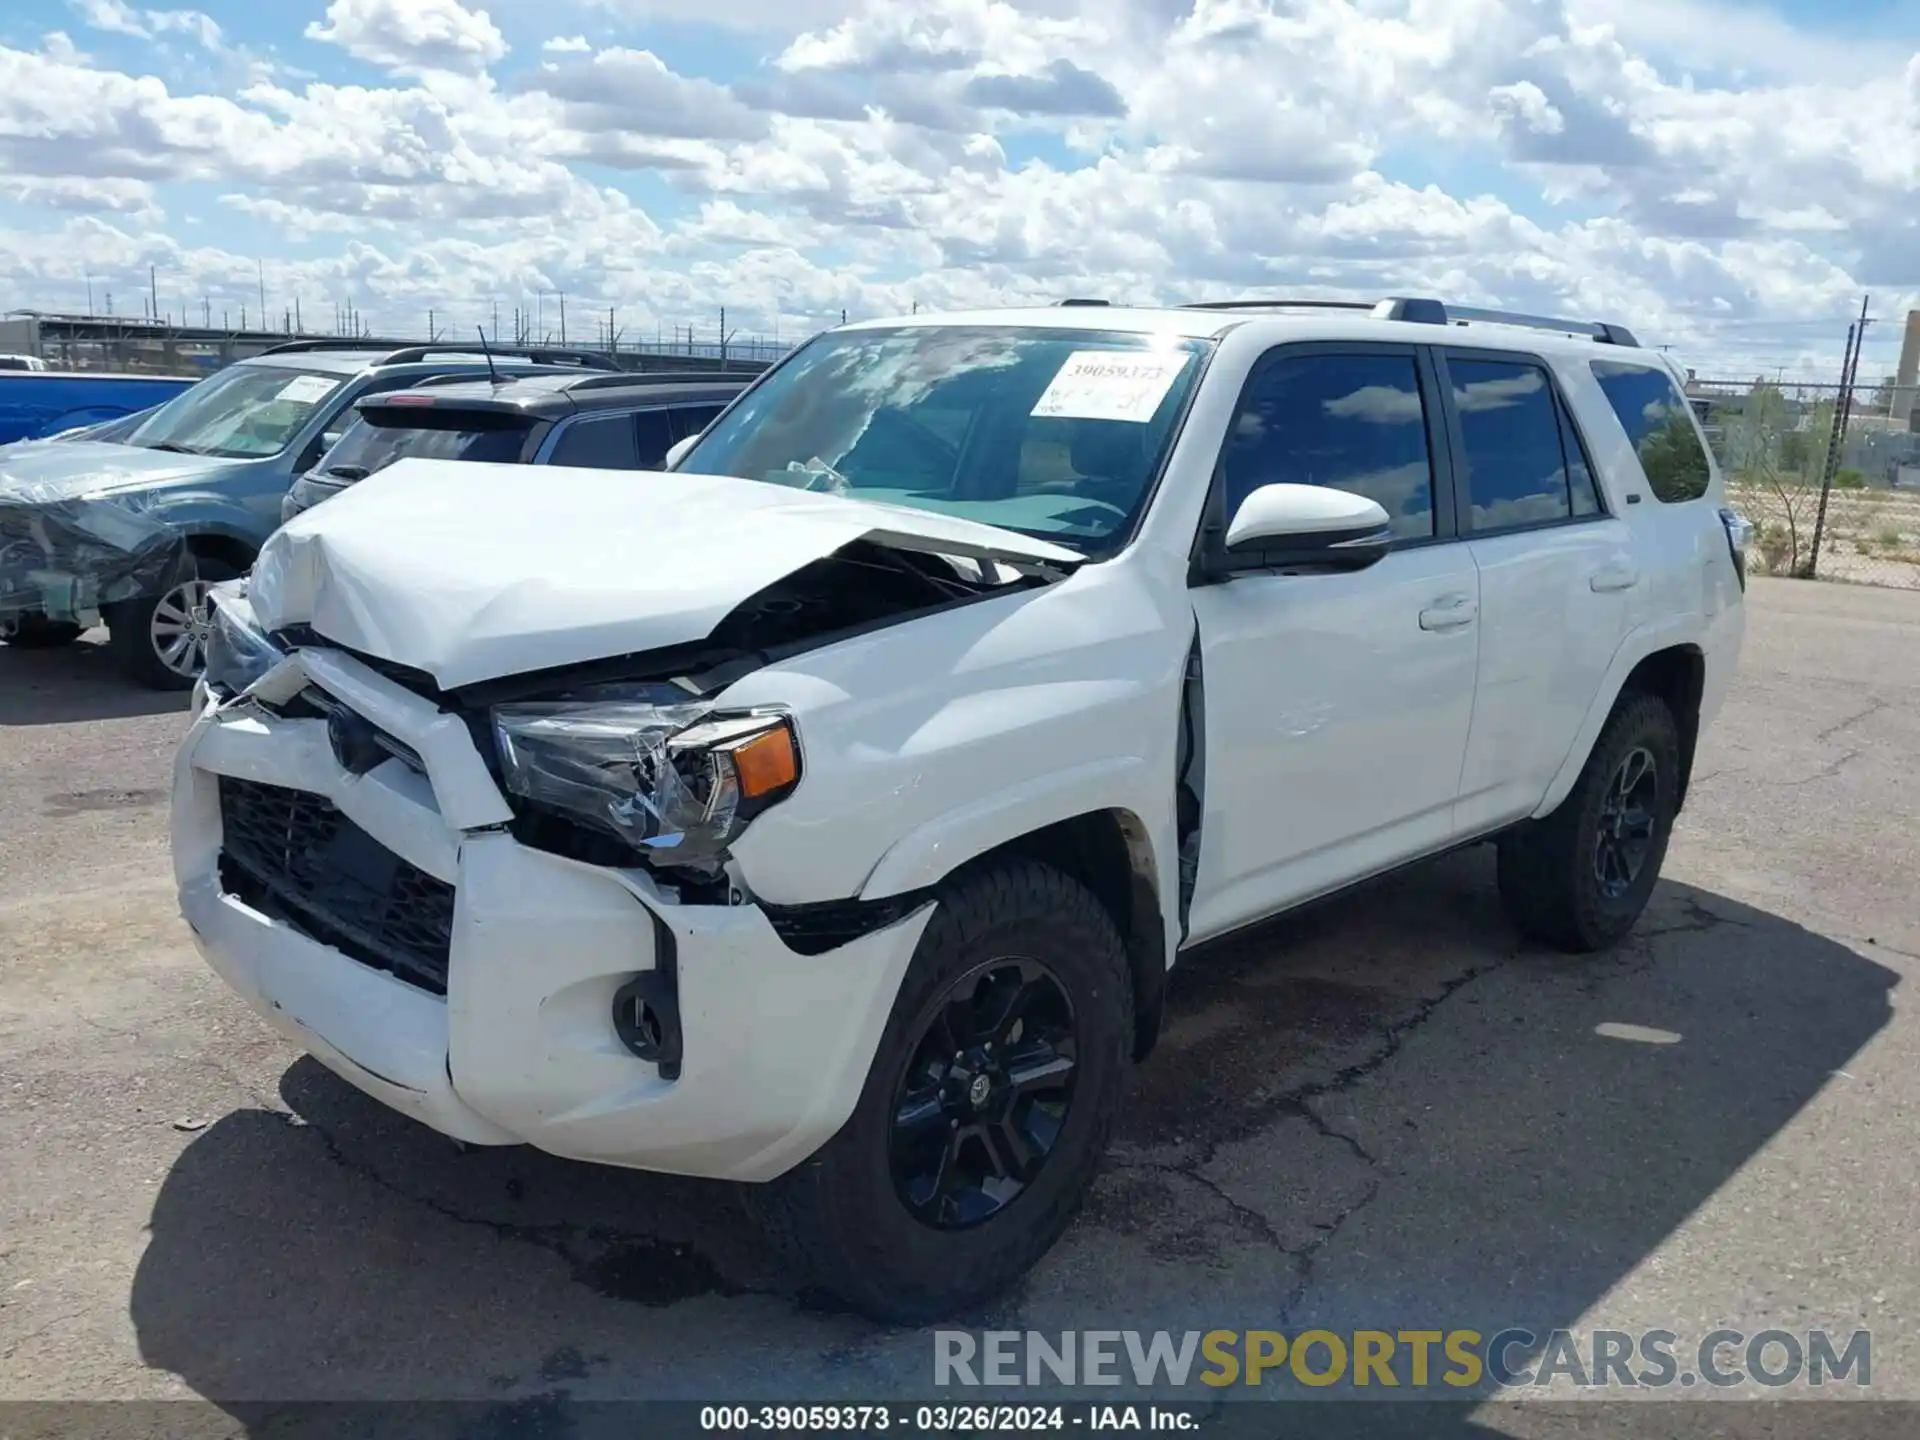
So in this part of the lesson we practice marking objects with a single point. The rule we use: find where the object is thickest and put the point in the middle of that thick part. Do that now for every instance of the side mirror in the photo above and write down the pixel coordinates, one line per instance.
(677, 452)
(1307, 527)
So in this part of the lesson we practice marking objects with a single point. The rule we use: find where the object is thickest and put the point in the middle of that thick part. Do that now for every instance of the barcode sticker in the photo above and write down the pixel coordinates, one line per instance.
(1111, 385)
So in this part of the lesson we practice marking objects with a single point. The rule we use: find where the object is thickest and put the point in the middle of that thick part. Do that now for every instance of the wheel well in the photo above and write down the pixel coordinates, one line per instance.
(225, 549)
(1110, 853)
(1675, 675)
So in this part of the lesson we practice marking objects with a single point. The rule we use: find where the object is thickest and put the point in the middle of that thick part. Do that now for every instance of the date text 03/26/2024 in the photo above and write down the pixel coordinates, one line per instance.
(942, 1419)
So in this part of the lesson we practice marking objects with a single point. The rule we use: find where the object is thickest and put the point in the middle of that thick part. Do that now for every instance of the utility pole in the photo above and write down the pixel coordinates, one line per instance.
(297, 326)
(89, 294)
(1842, 411)
(563, 317)
(153, 289)
(261, 267)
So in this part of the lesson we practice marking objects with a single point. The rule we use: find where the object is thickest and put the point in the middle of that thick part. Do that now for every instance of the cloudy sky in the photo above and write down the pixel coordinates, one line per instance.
(1723, 176)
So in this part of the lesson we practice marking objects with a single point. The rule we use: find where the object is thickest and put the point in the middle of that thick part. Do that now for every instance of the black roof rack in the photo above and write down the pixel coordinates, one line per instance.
(1081, 300)
(412, 354)
(1421, 311)
(660, 377)
(1279, 305)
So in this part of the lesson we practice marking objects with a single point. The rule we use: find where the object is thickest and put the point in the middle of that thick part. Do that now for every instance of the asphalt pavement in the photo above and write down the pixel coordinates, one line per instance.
(1387, 1111)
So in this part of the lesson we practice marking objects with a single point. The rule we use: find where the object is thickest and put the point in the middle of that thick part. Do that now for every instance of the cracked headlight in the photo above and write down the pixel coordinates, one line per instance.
(673, 778)
(238, 650)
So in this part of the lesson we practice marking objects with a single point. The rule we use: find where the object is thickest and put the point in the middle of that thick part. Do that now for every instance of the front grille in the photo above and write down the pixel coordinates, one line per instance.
(296, 858)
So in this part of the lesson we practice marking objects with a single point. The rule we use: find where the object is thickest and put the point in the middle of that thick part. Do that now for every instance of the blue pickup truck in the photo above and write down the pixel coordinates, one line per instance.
(38, 403)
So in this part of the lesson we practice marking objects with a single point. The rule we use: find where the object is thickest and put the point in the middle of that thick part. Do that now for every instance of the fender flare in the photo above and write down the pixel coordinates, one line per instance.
(927, 855)
(1637, 646)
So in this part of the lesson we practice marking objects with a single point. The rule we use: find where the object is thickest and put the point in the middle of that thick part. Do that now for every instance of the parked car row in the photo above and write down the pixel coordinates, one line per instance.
(825, 812)
(133, 526)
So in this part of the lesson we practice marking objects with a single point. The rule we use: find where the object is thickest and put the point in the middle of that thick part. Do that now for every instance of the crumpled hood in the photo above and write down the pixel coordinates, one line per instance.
(39, 471)
(471, 571)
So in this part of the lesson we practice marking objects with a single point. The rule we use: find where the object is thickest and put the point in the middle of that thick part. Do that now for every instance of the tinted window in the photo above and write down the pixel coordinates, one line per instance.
(1586, 495)
(1056, 433)
(388, 433)
(603, 443)
(653, 437)
(692, 419)
(1510, 439)
(1654, 414)
(1353, 422)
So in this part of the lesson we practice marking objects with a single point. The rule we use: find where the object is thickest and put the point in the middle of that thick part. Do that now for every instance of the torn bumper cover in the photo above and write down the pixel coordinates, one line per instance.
(386, 923)
(67, 557)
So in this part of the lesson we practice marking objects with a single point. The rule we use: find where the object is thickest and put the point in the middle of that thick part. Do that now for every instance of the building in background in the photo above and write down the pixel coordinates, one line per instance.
(1907, 377)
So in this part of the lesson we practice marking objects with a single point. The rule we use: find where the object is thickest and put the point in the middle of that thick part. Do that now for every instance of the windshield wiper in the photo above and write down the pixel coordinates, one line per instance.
(173, 449)
(349, 472)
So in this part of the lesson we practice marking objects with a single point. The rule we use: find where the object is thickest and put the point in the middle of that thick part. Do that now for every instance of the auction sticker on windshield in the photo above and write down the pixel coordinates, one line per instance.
(1110, 385)
(306, 389)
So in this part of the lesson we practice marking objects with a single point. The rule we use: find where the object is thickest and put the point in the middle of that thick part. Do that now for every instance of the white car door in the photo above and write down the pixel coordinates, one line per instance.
(1336, 705)
(1556, 577)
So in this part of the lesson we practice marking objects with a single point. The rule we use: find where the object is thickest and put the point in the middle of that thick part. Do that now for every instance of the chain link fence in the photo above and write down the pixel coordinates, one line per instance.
(1856, 519)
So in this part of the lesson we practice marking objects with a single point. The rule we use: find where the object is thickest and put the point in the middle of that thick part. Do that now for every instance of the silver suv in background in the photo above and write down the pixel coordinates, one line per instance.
(134, 531)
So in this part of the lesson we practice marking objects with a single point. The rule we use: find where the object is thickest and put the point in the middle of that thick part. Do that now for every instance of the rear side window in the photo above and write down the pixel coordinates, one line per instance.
(386, 433)
(603, 443)
(652, 438)
(692, 419)
(1352, 422)
(1655, 416)
(1516, 469)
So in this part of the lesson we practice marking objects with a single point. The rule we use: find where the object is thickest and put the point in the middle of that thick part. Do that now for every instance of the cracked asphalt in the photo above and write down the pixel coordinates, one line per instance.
(1385, 1112)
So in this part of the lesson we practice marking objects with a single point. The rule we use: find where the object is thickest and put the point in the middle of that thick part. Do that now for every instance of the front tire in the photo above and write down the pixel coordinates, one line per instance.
(161, 640)
(1579, 879)
(986, 1110)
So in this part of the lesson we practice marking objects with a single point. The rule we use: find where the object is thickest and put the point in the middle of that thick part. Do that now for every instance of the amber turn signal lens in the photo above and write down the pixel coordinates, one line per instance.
(766, 763)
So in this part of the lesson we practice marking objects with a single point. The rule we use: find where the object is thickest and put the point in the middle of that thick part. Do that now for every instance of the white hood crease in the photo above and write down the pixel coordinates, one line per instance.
(471, 572)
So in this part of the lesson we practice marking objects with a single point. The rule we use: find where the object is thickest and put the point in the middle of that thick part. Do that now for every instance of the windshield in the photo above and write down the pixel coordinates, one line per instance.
(1055, 433)
(389, 433)
(244, 412)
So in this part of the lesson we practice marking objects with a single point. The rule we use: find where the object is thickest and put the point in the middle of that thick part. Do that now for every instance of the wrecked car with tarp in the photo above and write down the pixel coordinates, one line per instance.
(132, 526)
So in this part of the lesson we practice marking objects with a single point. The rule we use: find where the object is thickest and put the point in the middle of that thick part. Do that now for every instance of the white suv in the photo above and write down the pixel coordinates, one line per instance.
(826, 814)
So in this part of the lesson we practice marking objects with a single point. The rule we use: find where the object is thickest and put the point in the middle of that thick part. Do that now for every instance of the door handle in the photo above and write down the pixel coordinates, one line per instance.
(1621, 575)
(1449, 613)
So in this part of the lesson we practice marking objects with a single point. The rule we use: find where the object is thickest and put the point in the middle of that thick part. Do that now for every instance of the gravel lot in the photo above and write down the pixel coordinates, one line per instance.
(1387, 1112)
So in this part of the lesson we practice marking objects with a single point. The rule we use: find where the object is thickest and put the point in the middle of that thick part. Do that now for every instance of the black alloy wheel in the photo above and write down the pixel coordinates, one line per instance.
(1628, 814)
(985, 1096)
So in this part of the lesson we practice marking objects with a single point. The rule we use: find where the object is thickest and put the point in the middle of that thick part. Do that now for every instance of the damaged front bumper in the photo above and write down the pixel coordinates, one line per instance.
(69, 558)
(394, 930)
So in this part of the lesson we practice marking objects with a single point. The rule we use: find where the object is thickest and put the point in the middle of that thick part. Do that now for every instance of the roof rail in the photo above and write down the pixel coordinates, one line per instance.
(1600, 330)
(1420, 311)
(658, 377)
(1279, 305)
(539, 355)
(390, 354)
(1081, 300)
(293, 346)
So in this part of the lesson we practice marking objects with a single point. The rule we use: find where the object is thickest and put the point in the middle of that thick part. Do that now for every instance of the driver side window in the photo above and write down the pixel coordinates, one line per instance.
(1354, 422)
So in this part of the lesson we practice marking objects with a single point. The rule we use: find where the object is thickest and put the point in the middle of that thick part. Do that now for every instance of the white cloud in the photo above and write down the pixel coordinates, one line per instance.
(115, 17)
(412, 36)
(1700, 187)
(621, 93)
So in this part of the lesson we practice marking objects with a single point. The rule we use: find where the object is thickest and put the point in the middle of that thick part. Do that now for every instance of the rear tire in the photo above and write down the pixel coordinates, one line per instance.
(160, 640)
(37, 632)
(1579, 879)
(870, 1218)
